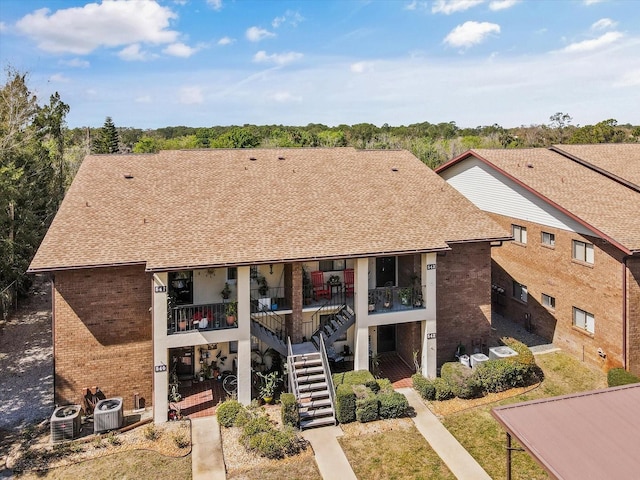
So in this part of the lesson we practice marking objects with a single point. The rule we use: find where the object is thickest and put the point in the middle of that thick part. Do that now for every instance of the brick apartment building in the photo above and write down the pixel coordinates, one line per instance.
(159, 260)
(572, 273)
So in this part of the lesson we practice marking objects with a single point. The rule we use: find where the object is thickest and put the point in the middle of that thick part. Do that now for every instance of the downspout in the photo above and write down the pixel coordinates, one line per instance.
(53, 332)
(624, 310)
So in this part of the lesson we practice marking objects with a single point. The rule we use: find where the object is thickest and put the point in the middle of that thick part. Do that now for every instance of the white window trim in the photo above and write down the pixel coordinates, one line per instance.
(552, 239)
(586, 255)
(551, 304)
(584, 320)
(521, 231)
(524, 292)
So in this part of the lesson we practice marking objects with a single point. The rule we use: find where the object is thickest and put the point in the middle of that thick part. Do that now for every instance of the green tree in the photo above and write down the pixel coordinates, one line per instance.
(238, 137)
(559, 122)
(147, 144)
(108, 140)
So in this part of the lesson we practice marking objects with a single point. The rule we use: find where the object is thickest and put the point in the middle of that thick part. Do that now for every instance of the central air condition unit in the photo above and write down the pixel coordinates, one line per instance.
(477, 359)
(65, 423)
(108, 415)
(497, 353)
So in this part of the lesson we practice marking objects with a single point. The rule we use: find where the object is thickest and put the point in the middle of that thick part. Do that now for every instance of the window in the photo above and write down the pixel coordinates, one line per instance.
(520, 292)
(232, 274)
(548, 301)
(549, 239)
(330, 265)
(584, 320)
(519, 233)
(582, 251)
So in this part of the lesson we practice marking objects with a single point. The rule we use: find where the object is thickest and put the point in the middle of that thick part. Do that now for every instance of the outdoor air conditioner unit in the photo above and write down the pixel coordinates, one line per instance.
(65, 423)
(477, 359)
(108, 415)
(497, 353)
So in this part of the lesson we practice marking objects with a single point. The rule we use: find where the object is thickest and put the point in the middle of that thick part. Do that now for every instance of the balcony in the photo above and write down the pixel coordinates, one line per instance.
(205, 317)
(394, 299)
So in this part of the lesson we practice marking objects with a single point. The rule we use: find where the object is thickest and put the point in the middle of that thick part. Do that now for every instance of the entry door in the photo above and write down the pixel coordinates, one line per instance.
(386, 338)
(182, 358)
(385, 271)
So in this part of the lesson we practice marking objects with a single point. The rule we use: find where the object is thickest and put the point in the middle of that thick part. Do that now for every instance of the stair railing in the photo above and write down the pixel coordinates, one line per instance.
(268, 319)
(327, 369)
(293, 378)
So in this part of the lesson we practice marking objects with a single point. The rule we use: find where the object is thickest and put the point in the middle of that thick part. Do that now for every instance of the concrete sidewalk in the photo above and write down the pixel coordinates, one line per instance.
(207, 461)
(330, 457)
(459, 461)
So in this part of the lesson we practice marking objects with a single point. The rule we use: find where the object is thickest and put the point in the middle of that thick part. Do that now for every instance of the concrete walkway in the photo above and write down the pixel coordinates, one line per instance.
(207, 461)
(330, 457)
(459, 461)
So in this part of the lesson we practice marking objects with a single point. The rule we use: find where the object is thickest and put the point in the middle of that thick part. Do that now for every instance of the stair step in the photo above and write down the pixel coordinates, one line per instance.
(309, 370)
(312, 386)
(312, 396)
(316, 377)
(321, 412)
(337, 322)
(313, 404)
(317, 422)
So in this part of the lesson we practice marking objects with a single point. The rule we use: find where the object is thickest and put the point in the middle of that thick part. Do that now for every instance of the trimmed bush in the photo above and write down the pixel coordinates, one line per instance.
(367, 409)
(443, 390)
(372, 385)
(525, 355)
(289, 410)
(275, 444)
(384, 385)
(461, 380)
(345, 404)
(227, 412)
(355, 377)
(256, 425)
(500, 375)
(392, 405)
(423, 386)
(619, 376)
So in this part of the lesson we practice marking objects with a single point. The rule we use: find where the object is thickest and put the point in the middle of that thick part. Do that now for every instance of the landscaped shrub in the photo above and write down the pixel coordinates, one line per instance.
(619, 376)
(367, 409)
(372, 385)
(500, 375)
(424, 386)
(289, 411)
(354, 377)
(345, 404)
(525, 355)
(392, 405)
(443, 390)
(461, 380)
(384, 385)
(227, 412)
(261, 435)
(256, 425)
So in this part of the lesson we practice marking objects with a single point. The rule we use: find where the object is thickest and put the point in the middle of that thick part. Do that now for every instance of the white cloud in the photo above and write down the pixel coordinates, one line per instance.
(180, 50)
(291, 17)
(629, 79)
(593, 44)
(75, 63)
(592, 2)
(361, 67)
(133, 53)
(256, 34)
(143, 99)
(226, 41)
(277, 58)
(496, 5)
(3, 26)
(215, 4)
(415, 5)
(80, 30)
(285, 97)
(603, 24)
(451, 6)
(190, 96)
(471, 33)
(59, 78)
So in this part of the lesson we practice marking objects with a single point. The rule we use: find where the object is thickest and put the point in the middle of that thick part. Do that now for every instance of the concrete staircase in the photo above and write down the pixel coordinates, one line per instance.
(269, 337)
(312, 387)
(336, 326)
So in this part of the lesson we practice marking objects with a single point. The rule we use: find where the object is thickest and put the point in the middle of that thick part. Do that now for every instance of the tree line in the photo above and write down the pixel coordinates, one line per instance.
(39, 155)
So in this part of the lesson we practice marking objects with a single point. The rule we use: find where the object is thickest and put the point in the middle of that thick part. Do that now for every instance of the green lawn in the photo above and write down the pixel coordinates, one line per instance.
(484, 438)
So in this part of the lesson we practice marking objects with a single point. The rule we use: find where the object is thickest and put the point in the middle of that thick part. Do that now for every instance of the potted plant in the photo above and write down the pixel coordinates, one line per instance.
(226, 291)
(270, 382)
(264, 302)
(307, 287)
(404, 294)
(231, 311)
(334, 280)
(388, 297)
(372, 302)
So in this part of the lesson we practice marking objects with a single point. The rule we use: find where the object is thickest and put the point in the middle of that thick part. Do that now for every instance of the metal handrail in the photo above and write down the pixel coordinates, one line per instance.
(385, 299)
(325, 364)
(293, 379)
(268, 319)
(186, 318)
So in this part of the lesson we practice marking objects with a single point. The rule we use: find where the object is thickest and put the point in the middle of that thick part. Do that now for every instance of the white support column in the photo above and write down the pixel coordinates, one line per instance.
(361, 340)
(244, 335)
(429, 350)
(159, 287)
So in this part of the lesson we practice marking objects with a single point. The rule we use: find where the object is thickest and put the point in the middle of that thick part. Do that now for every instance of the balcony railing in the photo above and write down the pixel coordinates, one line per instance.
(210, 316)
(273, 299)
(394, 299)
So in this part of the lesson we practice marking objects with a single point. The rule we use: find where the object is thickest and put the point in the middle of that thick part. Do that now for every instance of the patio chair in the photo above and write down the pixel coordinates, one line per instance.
(320, 288)
(348, 281)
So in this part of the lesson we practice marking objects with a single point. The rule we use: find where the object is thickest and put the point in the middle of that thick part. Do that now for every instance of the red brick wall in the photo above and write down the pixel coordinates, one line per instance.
(463, 298)
(408, 340)
(633, 315)
(103, 333)
(595, 288)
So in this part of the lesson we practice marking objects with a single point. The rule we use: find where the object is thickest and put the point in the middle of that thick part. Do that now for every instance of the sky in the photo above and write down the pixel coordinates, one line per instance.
(200, 63)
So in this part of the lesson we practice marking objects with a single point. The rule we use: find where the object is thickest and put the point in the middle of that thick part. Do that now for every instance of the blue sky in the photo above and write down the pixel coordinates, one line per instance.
(154, 63)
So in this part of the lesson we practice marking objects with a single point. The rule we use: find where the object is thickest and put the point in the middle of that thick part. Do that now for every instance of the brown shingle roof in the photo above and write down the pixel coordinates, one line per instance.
(218, 207)
(602, 204)
(621, 159)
